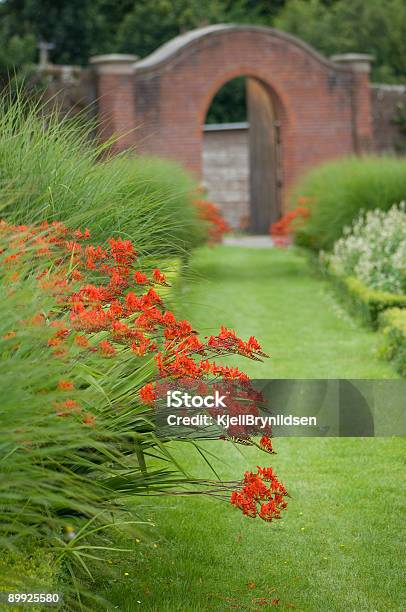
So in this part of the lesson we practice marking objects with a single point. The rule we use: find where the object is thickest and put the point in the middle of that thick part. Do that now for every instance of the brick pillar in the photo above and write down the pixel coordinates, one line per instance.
(360, 65)
(115, 97)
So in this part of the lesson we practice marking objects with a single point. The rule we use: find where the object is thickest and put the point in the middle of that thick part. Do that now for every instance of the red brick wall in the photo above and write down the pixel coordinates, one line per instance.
(388, 102)
(323, 108)
(116, 109)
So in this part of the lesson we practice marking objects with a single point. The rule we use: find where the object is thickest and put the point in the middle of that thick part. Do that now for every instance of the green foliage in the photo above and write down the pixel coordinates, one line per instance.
(365, 303)
(344, 26)
(28, 569)
(149, 24)
(77, 29)
(229, 103)
(56, 172)
(153, 205)
(393, 347)
(337, 192)
(58, 476)
(17, 51)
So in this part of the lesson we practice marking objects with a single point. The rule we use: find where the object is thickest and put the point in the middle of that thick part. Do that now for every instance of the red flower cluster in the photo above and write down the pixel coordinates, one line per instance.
(266, 444)
(211, 213)
(101, 290)
(98, 289)
(261, 495)
(228, 342)
(281, 230)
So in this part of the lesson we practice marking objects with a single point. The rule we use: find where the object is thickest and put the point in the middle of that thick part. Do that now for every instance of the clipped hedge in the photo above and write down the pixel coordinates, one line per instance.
(365, 303)
(393, 347)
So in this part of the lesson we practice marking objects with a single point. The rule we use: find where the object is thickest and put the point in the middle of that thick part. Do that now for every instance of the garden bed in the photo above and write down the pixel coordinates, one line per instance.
(365, 303)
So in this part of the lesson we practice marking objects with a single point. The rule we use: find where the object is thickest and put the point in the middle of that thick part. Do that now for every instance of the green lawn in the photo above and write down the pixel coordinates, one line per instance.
(339, 547)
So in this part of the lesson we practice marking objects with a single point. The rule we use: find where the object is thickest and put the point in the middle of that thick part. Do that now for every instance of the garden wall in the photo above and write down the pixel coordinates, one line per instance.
(226, 170)
(75, 89)
(389, 118)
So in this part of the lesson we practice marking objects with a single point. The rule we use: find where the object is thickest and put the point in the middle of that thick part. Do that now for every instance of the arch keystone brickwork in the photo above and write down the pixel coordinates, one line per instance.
(159, 103)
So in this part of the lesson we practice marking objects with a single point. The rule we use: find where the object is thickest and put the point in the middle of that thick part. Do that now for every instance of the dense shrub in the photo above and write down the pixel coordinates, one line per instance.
(339, 190)
(53, 170)
(373, 249)
(393, 323)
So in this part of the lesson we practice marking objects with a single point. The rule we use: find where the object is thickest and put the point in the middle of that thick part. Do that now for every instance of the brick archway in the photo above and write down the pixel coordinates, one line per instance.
(159, 103)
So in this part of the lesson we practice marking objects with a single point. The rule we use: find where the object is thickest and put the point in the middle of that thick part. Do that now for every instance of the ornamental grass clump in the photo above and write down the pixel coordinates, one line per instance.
(338, 190)
(53, 169)
(373, 249)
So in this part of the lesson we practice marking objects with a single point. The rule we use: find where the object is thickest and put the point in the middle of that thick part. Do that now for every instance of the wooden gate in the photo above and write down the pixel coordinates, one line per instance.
(264, 205)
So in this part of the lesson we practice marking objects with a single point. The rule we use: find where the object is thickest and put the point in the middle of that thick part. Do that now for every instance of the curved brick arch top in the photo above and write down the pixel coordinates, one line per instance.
(323, 106)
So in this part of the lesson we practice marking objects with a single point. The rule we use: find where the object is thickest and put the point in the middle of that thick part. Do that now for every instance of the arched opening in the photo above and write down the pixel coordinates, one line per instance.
(241, 154)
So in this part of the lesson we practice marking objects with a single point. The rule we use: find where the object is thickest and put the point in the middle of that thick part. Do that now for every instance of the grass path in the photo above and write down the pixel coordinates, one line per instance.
(274, 295)
(339, 546)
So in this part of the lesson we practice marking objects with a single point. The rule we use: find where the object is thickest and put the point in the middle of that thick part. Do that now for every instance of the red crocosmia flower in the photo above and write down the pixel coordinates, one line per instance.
(205, 366)
(65, 385)
(253, 344)
(82, 341)
(132, 303)
(282, 229)
(159, 277)
(190, 344)
(246, 504)
(140, 278)
(116, 310)
(142, 345)
(151, 298)
(266, 473)
(169, 318)
(120, 330)
(69, 404)
(90, 264)
(147, 393)
(9, 335)
(122, 251)
(89, 419)
(257, 498)
(176, 330)
(211, 214)
(76, 275)
(106, 348)
(266, 444)
(91, 293)
(232, 373)
(73, 246)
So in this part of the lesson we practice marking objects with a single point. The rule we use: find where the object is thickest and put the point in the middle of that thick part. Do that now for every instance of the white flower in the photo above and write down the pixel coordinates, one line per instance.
(373, 248)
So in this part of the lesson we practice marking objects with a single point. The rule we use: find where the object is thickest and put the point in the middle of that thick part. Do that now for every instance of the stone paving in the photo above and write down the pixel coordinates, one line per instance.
(253, 242)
